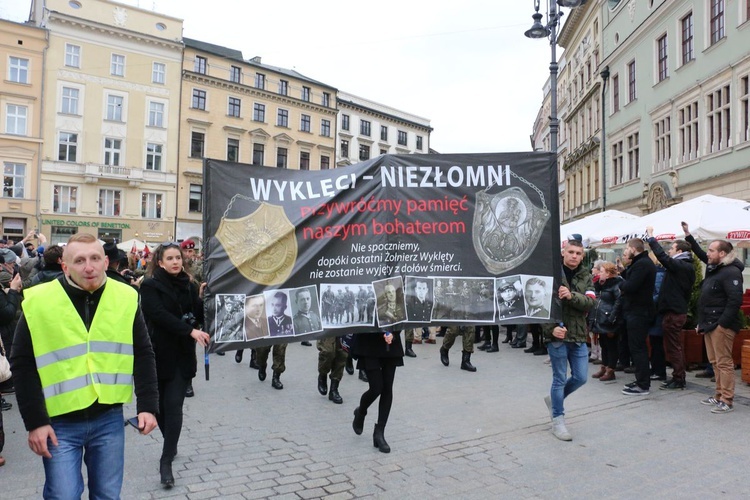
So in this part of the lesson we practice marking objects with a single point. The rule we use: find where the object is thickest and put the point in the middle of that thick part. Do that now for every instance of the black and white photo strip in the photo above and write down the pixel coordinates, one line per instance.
(293, 311)
(229, 318)
(344, 305)
(509, 297)
(464, 299)
(523, 296)
(419, 299)
(389, 294)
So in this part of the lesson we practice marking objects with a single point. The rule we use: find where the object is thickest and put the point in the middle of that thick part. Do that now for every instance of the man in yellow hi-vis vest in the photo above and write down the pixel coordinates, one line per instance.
(79, 346)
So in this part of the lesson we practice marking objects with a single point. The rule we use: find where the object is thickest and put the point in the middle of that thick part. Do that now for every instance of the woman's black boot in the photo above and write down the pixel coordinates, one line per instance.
(378, 439)
(359, 421)
(165, 471)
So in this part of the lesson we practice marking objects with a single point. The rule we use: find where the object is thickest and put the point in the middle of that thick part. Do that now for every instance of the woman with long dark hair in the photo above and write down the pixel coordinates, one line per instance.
(173, 307)
(606, 319)
(379, 354)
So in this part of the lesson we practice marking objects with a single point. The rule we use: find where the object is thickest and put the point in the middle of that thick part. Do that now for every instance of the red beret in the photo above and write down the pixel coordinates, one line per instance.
(187, 245)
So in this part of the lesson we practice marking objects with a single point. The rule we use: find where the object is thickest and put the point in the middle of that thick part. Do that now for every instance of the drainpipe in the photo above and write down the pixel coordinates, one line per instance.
(605, 78)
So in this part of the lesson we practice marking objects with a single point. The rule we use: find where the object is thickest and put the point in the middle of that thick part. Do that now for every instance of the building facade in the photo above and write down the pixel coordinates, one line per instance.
(249, 112)
(22, 48)
(111, 117)
(367, 129)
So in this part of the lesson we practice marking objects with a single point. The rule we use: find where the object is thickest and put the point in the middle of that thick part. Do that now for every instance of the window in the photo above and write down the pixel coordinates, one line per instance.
(235, 74)
(200, 65)
(109, 202)
(304, 160)
(364, 128)
(260, 81)
(662, 144)
(259, 112)
(112, 150)
(234, 107)
(283, 87)
(344, 122)
(72, 55)
(364, 152)
(345, 149)
(304, 123)
(661, 45)
(634, 164)
(326, 99)
(67, 146)
(631, 81)
(151, 205)
(69, 101)
(156, 114)
(325, 128)
(305, 94)
(114, 107)
(199, 99)
(718, 120)
(117, 65)
(687, 38)
(281, 156)
(195, 200)
(15, 119)
(325, 162)
(197, 141)
(383, 151)
(383, 133)
(745, 108)
(158, 72)
(153, 156)
(14, 178)
(233, 149)
(688, 132)
(717, 20)
(401, 138)
(64, 199)
(615, 93)
(282, 118)
(258, 153)
(419, 143)
(617, 164)
(18, 70)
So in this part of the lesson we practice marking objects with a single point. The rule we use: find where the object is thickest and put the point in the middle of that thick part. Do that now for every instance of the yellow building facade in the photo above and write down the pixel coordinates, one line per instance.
(22, 65)
(111, 119)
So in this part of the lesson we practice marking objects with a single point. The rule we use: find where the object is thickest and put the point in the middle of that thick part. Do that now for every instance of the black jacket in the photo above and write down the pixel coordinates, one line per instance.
(26, 378)
(638, 286)
(606, 317)
(164, 301)
(372, 345)
(675, 291)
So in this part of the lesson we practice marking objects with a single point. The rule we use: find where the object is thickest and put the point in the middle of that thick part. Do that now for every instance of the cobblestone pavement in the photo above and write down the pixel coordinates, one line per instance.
(453, 434)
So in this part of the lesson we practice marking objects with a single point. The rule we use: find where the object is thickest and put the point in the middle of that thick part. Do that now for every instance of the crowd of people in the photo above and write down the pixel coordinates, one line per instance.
(625, 317)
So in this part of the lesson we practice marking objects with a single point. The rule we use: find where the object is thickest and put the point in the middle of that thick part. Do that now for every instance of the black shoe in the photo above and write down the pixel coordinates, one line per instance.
(619, 367)
(408, 351)
(484, 346)
(658, 377)
(444, 357)
(165, 471)
(378, 440)
(253, 361)
(4, 405)
(238, 356)
(261, 373)
(673, 385)
(322, 384)
(466, 362)
(629, 369)
(276, 381)
(359, 421)
(518, 346)
(508, 339)
(189, 392)
(703, 374)
(531, 349)
(542, 351)
(306, 343)
(349, 365)
(334, 395)
(220, 353)
(363, 376)
(493, 348)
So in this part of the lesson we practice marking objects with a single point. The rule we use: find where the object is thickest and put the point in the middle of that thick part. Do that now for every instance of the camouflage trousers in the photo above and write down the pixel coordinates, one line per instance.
(279, 357)
(331, 358)
(451, 332)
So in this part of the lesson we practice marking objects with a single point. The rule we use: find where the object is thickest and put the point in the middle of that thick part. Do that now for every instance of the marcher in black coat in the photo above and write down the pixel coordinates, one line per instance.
(606, 319)
(378, 355)
(173, 308)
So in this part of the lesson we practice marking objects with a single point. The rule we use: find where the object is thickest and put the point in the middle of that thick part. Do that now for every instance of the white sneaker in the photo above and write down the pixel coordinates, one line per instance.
(559, 430)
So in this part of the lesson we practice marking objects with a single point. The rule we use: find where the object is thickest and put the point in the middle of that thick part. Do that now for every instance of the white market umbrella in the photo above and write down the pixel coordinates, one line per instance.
(593, 223)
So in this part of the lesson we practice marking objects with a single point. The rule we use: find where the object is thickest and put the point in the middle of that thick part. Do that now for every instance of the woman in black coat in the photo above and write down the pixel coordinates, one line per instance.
(606, 319)
(173, 307)
(378, 355)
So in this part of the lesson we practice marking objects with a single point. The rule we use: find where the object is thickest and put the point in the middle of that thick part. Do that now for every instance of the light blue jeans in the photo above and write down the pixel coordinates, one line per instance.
(561, 354)
(100, 442)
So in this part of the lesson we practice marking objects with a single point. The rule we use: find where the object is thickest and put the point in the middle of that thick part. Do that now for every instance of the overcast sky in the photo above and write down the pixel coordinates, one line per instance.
(465, 66)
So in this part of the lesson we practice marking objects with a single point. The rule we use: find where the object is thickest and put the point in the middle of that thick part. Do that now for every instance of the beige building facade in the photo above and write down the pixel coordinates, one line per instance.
(248, 112)
(111, 118)
(22, 50)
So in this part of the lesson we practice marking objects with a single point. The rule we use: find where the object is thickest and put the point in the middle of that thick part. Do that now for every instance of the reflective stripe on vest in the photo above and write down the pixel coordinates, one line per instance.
(78, 367)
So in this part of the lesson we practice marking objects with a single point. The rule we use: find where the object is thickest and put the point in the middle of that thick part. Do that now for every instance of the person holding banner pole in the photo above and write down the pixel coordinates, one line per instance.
(379, 354)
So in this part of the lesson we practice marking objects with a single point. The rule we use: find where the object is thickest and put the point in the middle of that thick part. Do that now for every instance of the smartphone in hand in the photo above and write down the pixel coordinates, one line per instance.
(133, 422)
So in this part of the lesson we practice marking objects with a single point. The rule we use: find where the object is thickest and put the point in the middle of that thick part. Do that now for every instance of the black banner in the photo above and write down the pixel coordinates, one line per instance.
(399, 241)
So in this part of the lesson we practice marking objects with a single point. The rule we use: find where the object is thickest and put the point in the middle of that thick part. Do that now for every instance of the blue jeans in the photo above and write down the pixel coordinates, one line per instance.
(561, 354)
(100, 442)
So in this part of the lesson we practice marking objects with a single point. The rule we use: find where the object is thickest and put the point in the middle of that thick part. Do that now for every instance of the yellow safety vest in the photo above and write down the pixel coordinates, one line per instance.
(78, 367)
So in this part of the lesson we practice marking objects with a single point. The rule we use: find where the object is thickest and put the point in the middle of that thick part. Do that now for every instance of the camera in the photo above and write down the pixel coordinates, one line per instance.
(190, 319)
(128, 274)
